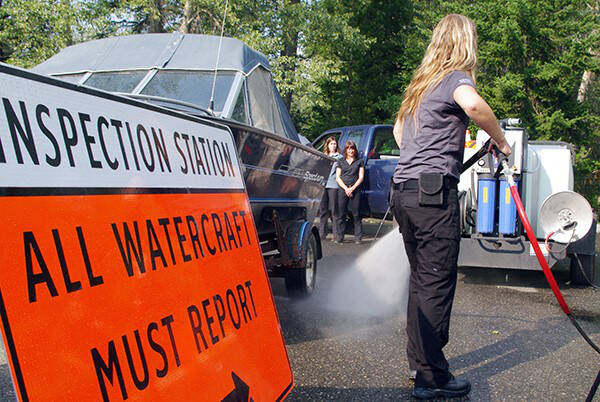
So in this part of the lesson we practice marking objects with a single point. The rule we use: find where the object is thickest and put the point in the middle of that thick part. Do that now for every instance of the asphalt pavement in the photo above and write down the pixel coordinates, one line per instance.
(508, 335)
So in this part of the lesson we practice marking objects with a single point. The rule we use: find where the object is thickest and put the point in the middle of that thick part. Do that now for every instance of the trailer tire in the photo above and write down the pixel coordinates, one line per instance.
(300, 282)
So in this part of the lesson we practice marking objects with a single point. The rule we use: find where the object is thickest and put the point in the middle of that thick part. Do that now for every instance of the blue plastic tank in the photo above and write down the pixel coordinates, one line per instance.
(507, 210)
(486, 202)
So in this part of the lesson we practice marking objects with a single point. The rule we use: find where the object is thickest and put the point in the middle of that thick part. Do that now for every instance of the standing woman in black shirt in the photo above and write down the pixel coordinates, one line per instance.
(350, 173)
(430, 131)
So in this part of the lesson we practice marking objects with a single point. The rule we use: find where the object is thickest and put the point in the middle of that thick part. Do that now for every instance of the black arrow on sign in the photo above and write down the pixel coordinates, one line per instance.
(240, 392)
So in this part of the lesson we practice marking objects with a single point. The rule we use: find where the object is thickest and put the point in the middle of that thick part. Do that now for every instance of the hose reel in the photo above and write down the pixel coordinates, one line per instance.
(566, 215)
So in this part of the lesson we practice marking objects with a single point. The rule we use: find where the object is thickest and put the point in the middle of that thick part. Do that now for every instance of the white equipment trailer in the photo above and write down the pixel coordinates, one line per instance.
(492, 234)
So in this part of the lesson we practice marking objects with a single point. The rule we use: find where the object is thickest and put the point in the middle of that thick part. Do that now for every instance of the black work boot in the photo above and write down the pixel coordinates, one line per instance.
(454, 388)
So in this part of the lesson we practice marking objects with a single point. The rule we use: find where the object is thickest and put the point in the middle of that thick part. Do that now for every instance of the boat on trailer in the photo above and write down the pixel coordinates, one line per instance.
(225, 81)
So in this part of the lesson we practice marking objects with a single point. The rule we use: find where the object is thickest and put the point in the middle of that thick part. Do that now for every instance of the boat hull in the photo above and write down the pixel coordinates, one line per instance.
(279, 174)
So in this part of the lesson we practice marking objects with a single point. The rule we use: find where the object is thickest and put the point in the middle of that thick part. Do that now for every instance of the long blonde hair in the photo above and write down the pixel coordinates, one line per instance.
(453, 47)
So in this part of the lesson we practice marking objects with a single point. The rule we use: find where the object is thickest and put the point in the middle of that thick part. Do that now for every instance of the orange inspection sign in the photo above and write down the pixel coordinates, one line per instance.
(131, 267)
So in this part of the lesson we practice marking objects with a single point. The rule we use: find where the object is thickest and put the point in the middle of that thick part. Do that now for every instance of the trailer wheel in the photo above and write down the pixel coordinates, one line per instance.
(300, 282)
(465, 202)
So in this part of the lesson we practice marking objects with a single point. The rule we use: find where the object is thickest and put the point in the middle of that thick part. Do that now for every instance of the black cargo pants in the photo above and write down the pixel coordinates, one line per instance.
(431, 237)
(328, 209)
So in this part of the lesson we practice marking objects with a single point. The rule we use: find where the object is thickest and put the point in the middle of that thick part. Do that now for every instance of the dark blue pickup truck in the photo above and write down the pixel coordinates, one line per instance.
(377, 147)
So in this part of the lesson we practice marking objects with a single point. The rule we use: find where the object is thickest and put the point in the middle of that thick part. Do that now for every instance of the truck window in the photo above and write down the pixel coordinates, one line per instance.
(384, 143)
(355, 135)
(321, 142)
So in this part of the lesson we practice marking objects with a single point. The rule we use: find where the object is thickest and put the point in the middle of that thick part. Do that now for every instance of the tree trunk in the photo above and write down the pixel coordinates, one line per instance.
(586, 80)
(589, 76)
(156, 23)
(66, 4)
(187, 17)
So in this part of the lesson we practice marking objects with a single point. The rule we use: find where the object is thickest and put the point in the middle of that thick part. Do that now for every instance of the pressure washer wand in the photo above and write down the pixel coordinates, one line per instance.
(382, 221)
(476, 156)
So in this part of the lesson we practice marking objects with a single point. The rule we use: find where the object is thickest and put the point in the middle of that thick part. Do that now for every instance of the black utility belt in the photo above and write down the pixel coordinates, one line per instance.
(430, 186)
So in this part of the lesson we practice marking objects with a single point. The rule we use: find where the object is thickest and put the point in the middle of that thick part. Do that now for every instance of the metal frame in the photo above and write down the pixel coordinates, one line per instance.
(510, 253)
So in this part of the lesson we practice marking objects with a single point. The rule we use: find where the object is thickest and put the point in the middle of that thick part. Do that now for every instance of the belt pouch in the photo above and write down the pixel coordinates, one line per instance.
(431, 189)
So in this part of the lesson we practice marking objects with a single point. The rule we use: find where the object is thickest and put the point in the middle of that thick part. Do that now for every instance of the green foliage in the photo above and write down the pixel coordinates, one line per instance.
(33, 30)
(365, 41)
(97, 19)
(348, 62)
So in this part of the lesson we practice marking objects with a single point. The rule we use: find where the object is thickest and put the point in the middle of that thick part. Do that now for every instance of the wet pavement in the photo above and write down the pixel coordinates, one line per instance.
(508, 336)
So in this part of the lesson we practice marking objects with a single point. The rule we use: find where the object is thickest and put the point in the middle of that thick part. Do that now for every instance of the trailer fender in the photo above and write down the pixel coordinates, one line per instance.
(297, 235)
(317, 236)
(300, 277)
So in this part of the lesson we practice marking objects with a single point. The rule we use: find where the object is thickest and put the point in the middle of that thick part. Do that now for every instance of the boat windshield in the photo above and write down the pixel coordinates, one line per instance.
(74, 78)
(255, 102)
(116, 81)
(191, 86)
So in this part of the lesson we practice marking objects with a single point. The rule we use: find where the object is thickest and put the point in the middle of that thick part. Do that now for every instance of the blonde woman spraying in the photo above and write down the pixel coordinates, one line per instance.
(430, 131)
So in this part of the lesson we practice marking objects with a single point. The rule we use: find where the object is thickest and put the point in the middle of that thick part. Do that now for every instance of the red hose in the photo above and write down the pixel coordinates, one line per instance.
(538, 251)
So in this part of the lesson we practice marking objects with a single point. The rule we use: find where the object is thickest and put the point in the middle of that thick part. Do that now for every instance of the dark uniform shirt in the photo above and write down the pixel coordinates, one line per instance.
(350, 171)
(438, 143)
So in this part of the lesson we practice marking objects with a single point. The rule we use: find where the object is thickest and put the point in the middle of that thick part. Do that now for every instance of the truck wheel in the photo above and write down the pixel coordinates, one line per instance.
(300, 282)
